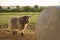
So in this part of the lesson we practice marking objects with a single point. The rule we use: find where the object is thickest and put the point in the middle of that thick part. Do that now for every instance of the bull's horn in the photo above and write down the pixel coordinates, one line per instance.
(31, 16)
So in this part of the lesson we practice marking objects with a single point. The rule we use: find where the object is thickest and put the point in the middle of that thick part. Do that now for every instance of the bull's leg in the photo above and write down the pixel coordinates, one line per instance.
(9, 26)
(12, 29)
(14, 32)
(22, 33)
(26, 25)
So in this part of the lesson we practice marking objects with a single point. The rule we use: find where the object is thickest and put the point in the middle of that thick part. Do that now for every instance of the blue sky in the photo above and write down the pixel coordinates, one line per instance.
(29, 2)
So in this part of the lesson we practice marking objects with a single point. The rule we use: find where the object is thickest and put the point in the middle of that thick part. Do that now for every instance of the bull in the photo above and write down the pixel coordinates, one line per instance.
(19, 23)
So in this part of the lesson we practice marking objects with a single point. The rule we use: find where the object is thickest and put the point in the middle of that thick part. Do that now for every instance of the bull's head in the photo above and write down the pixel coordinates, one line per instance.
(26, 18)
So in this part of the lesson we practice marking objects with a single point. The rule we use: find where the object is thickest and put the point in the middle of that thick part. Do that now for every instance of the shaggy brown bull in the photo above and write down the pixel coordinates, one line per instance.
(19, 23)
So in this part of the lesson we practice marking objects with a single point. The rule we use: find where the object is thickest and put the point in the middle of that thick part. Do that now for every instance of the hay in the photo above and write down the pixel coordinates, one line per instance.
(48, 24)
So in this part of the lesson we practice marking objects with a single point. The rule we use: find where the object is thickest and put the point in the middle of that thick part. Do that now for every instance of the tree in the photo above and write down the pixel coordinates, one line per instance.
(35, 8)
(17, 7)
(1, 9)
(27, 9)
(41, 8)
(8, 7)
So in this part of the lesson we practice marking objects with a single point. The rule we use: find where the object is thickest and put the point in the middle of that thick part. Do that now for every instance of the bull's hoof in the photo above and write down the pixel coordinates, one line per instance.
(22, 34)
(14, 32)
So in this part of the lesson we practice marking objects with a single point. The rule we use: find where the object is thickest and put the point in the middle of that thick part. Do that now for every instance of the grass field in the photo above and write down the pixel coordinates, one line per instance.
(29, 33)
(4, 17)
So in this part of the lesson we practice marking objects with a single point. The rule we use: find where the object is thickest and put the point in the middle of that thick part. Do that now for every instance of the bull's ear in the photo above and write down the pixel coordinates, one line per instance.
(26, 17)
(23, 17)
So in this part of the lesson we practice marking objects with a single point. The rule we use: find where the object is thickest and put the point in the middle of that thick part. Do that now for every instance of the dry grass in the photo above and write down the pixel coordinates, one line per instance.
(7, 35)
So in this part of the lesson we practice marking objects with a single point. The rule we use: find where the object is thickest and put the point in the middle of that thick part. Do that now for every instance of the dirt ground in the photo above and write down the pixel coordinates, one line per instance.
(7, 35)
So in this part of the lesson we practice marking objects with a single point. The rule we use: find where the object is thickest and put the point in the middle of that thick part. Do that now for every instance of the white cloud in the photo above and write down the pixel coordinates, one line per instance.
(29, 2)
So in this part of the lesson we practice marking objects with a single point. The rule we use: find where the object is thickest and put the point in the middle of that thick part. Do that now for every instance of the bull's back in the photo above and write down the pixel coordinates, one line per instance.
(17, 23)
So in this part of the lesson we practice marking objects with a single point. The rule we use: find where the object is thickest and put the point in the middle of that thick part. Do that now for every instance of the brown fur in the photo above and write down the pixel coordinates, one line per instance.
(18, 22)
